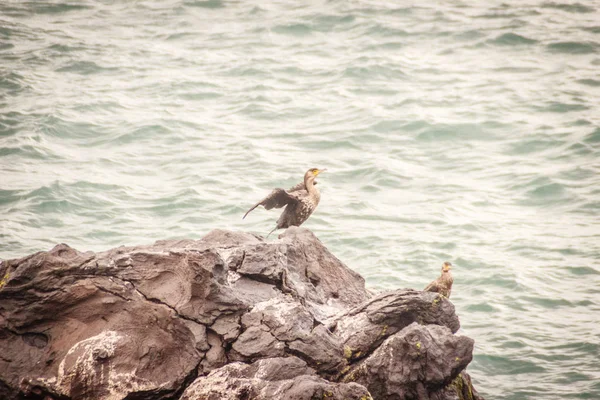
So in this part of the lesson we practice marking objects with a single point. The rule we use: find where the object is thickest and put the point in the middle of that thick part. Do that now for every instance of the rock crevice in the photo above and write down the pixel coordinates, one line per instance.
(229, 316)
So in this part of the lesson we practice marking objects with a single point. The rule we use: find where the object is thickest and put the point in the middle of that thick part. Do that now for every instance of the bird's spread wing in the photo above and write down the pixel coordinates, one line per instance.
(299, 186)
(277, 199)
(432, 287)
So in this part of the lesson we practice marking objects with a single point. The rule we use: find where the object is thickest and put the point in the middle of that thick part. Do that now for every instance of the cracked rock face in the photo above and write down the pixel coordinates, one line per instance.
(413, 363)
(229, 316)
(270, 378)
(67, 332)
(363, 328)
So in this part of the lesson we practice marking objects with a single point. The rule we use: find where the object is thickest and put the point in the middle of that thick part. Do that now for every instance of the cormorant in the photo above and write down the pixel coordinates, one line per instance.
(443, 284)
(300, 201)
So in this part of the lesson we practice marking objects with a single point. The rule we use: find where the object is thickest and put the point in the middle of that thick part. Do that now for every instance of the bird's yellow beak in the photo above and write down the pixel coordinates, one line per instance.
(318, 171)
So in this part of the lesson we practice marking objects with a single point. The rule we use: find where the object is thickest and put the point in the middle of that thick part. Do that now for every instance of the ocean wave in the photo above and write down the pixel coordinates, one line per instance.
(86, 68)
(573, 47)
(577, 8)
(512, 39)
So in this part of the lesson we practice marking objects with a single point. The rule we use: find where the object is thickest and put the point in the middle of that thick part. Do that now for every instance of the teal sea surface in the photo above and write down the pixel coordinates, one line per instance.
(464, 131)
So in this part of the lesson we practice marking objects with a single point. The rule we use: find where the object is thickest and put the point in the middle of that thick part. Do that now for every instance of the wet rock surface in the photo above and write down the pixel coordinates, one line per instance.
(229, 316)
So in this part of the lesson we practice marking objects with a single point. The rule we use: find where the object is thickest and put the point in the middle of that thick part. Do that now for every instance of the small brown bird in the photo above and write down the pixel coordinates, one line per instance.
(300, 201)
(443, 284)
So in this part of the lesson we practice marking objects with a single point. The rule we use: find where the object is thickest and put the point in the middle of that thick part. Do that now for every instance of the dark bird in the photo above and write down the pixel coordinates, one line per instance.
(443, 284)
(300, 201)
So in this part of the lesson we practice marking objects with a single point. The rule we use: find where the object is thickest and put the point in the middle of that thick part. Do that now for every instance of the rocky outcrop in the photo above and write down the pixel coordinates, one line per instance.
(229, 316)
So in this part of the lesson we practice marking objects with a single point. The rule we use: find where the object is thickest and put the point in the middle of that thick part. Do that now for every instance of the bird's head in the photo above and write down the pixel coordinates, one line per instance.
(312, 173)
(446, 266)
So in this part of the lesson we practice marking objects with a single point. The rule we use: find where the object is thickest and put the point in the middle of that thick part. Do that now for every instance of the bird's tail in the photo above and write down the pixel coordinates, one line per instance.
(274, 229)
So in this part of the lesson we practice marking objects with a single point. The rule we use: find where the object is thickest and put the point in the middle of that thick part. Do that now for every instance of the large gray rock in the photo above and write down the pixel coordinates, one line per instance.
(229, 316)
(363, 328)
(284, 326)
(413, 363)
(271, 378)
(461, 388)
(68, 332)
